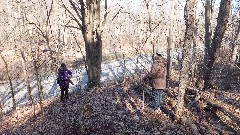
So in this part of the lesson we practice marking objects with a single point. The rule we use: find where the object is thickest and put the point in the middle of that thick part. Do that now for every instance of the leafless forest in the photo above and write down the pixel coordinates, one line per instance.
(199, 39)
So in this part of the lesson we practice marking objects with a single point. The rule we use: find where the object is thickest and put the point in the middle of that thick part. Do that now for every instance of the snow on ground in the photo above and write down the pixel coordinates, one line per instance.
(113, 70)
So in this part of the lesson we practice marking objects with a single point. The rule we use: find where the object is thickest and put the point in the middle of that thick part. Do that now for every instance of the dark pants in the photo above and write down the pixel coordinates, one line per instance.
(64, 92)
(158, 97)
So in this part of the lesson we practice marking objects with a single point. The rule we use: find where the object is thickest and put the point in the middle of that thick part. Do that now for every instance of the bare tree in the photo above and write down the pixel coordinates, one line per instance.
(9, 79)
(88, 20)
(222, 21)
(44, 30)
(188, 41)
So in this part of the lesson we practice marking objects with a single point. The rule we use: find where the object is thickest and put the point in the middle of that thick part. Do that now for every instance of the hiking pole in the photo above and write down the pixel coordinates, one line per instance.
(143, 96)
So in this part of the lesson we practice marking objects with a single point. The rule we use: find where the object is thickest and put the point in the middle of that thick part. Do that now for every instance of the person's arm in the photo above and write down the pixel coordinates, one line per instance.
(71, 81)
(70, 75)
(155, 71)
(158, 71)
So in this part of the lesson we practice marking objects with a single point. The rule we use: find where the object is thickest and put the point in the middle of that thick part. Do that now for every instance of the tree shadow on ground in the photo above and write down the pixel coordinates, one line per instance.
(112, 109)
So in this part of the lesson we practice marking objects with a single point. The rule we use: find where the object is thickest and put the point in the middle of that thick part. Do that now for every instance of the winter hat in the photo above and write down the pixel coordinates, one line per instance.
(63, 66)
(158, 52)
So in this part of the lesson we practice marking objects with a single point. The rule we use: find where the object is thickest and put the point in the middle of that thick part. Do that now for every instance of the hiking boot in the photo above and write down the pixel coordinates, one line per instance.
(61, 98)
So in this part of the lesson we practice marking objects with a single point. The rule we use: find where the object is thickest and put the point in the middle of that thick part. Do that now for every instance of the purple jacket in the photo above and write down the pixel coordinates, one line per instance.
(63, 76)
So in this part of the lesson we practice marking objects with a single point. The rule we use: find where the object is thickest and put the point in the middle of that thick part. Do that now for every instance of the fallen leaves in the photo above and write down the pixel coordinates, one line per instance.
(111, 110)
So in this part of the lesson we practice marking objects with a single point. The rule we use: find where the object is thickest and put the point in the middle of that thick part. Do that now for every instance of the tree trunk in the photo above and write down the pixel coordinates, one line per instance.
(188, 41)
(194, 52)
(26, 77)
(207, 33)
(234, 45)
(93, 41)
(150, 19)
(170, 41)
(88, 20)
(222, 21)
(39, 85)
(10, 82)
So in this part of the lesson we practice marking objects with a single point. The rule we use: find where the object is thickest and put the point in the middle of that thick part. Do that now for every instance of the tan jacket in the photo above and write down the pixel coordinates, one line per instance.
(159, 73)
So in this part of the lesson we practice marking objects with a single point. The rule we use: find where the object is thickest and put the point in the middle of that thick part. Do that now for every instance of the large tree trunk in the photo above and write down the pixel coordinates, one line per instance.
(194, 51)
(188, 41)
(222, 21)
(92, 37)
(88, 20)
(10, 81)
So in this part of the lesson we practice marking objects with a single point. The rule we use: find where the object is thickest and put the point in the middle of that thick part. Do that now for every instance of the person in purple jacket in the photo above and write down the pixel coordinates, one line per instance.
(63, 80)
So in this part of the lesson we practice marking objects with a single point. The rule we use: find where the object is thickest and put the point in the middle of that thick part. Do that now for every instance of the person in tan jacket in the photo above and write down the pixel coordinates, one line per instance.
(157, 78)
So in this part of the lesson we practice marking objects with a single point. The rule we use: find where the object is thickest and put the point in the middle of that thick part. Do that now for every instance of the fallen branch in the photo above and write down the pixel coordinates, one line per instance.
(221, 107)
(231, 113)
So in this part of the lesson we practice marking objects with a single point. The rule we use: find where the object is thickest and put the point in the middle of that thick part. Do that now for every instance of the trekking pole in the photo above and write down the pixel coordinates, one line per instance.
(143, 98)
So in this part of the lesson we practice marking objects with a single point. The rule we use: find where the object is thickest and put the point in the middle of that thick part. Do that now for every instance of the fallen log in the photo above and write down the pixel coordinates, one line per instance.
(230, 112)
(220, 106)
(235, 96)
(229, 121)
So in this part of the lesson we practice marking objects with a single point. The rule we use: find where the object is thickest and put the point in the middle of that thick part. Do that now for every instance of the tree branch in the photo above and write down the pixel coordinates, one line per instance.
(105, 18)
(73, 17)
(76, 9)
(49, 12)
(70, 26)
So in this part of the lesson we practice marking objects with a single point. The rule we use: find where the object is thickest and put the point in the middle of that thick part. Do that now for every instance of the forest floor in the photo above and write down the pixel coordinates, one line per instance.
(117, 108)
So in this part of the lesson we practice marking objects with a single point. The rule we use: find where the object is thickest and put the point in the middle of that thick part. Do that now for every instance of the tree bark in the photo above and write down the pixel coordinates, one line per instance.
(194, 45)
(170, 41)
(207, 33)
(93, 41)
(222, 21)
(188, 41)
